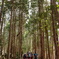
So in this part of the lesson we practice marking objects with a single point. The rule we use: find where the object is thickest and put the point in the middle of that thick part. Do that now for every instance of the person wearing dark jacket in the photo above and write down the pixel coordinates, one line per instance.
(24, 56)
(35, 55)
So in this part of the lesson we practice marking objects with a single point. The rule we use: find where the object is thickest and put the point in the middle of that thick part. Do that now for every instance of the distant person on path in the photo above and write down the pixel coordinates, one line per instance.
(35, 55)
(29, 55)
(24, 56)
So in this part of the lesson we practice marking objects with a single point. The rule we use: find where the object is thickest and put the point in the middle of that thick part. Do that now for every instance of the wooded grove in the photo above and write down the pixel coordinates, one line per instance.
(29, 25)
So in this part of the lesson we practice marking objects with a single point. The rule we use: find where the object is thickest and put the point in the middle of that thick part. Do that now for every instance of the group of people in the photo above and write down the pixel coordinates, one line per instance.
(30, 55)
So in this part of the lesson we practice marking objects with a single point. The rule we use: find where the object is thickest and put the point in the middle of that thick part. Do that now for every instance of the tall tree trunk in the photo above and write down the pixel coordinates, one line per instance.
(20, 33)
(10, 35)
(40, 5)
(1, 25)
(34, 41)
(46, 31)
(55, 37)
(14, 33)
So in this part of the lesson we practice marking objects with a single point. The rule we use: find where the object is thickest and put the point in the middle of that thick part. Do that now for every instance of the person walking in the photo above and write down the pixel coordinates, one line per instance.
(35, 55)
(29, 55)
(24, 56)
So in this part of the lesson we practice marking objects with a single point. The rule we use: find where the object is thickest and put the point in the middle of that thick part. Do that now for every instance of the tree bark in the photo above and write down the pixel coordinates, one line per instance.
(55, 37)
(40, 6)
(1, 25)
(46, 31)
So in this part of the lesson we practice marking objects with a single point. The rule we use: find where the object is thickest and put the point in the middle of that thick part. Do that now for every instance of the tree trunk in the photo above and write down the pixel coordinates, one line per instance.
(1, 25)
(40, 5)
(46, 31)
(34, 41)
(55, 37)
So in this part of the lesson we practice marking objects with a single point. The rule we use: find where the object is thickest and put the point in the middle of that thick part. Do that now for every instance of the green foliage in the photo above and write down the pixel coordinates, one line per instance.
(8, 4)
(0, 4)
(34, 4)
(7, 26)
(58, 6)
(33, 24)
(57, 0)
